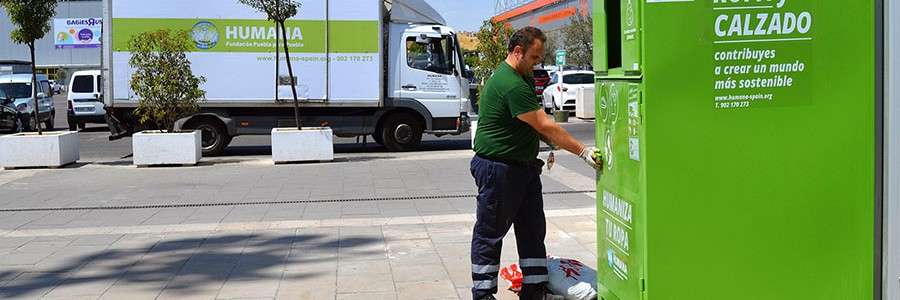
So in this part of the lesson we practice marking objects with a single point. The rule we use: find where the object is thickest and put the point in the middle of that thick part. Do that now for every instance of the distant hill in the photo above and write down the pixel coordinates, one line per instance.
(468, 42)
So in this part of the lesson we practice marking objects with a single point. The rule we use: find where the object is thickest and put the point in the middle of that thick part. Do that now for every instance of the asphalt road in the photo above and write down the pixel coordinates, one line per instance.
(96, 146)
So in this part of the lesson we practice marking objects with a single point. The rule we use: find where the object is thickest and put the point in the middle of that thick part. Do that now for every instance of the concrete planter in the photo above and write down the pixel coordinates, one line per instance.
(561, 116)
(309, 144)
(28, 149)
(584, 102)
(151, 147)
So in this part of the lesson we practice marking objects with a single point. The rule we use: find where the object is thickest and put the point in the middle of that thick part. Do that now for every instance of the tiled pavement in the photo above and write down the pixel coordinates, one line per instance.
(386, 226)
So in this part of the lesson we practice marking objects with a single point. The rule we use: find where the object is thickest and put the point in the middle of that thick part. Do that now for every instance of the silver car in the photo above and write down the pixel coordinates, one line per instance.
(19, 88)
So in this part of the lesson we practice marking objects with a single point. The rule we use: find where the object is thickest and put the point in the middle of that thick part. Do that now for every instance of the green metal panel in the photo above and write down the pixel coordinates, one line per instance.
(631, 36)
(620, 193)
(755, 170)
(599, 25)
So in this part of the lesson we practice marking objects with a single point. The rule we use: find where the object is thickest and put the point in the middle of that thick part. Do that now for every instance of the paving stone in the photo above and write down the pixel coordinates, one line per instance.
(419, 272)
(441, 289)
(264, 288)
(363, 267)
(367, 296)
(131, 290)
(363, 283)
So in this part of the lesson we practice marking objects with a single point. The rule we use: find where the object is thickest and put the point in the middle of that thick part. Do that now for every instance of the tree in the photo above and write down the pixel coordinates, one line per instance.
(33, 20)
(550, 50)
(578, 40)
(279, 11)
(163, 80)
(493, 42)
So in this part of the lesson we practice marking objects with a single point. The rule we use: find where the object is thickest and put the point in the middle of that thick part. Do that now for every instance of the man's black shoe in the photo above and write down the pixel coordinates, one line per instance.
(488, 297)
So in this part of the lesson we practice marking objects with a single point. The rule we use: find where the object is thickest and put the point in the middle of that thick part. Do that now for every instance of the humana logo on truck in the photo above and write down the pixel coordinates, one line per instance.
(260, 33)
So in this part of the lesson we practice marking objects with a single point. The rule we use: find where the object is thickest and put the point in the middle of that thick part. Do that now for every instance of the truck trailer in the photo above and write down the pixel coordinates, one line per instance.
(387, 68)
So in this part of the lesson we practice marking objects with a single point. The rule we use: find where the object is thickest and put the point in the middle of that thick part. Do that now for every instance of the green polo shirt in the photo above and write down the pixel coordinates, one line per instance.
(500, 134)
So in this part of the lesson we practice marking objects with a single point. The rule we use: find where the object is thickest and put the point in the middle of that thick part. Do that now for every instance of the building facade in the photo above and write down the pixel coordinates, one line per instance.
(52, 55)
(551, 16)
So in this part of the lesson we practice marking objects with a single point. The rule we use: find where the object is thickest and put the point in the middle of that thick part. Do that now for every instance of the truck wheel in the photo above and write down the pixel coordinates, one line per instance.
(377, 137)
(72, 126)
(213, 135)
(401, 132)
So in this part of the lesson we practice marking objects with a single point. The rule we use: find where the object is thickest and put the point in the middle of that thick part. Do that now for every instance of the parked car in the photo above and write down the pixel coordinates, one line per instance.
(541, 79)
(18, 87)
(85, 100)
(9, 115)
(54, 86)
(560, 94)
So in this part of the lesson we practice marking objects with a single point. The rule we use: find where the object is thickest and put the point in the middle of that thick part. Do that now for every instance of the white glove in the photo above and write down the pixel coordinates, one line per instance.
(591, 156)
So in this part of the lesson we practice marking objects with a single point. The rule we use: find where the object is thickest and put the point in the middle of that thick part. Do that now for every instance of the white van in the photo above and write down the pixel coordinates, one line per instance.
(85, 99)
(18, 87)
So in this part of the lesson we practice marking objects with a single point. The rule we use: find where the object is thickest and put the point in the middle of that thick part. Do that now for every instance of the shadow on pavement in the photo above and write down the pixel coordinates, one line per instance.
(187, 265)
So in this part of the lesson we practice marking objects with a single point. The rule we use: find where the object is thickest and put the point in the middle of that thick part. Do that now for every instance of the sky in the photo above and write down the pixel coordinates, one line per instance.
(464, 15)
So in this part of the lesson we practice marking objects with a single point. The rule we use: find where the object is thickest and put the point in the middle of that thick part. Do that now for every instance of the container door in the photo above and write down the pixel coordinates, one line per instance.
(620, 196)
(617, 37)
(631, 36)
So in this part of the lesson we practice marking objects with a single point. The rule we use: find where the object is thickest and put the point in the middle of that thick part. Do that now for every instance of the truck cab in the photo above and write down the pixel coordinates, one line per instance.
(429, 71)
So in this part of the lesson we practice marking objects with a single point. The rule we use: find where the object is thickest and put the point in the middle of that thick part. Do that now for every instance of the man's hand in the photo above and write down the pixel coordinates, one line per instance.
(591, 155)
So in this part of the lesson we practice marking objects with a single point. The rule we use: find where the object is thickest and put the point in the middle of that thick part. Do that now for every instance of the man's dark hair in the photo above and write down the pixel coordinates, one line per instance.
(525, 38)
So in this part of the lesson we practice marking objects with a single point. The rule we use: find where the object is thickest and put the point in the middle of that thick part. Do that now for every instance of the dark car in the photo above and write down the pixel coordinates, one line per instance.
(9, 115)
(541, 78)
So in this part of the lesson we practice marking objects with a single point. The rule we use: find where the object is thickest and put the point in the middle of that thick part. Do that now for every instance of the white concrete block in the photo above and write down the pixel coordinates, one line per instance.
(28, 149)
(309, 144)
(152, 147)
(584, 103)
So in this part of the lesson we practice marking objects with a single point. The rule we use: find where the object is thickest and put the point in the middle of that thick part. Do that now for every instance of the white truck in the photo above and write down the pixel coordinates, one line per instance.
(386, 68)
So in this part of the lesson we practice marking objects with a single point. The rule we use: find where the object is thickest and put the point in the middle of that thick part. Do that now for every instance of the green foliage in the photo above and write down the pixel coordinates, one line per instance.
(163, 80)
(493, 39)
(32, 18)
(471, 59)
(550, 48)
(578, 39)
(276, 10)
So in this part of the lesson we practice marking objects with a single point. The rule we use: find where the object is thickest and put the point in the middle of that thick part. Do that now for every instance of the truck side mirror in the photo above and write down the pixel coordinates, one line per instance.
(423, 39)
(41, 95)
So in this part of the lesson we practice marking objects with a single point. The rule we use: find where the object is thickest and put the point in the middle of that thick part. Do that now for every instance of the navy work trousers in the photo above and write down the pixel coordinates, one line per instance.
(509, 194)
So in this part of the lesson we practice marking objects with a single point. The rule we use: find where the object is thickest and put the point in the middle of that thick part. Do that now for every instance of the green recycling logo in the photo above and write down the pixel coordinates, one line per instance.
(629, 14)
(205, 35)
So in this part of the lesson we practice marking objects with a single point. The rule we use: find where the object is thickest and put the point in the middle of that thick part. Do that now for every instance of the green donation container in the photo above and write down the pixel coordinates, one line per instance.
(740, 145)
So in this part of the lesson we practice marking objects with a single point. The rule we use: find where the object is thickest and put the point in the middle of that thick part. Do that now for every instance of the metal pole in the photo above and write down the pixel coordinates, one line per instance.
(277, 60)
(891, 209)
(327, 53)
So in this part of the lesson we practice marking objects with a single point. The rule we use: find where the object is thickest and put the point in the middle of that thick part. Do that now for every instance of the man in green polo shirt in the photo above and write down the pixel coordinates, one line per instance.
(507, 171)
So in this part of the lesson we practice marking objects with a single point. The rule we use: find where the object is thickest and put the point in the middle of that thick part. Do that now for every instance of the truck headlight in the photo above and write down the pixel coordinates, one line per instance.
(22, 107)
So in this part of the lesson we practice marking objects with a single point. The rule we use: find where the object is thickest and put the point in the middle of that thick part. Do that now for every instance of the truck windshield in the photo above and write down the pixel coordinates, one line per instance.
(428, 57)
(16, 89)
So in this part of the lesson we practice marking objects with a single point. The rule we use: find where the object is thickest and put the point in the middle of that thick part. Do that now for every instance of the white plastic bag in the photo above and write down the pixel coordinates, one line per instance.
(571, 279)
